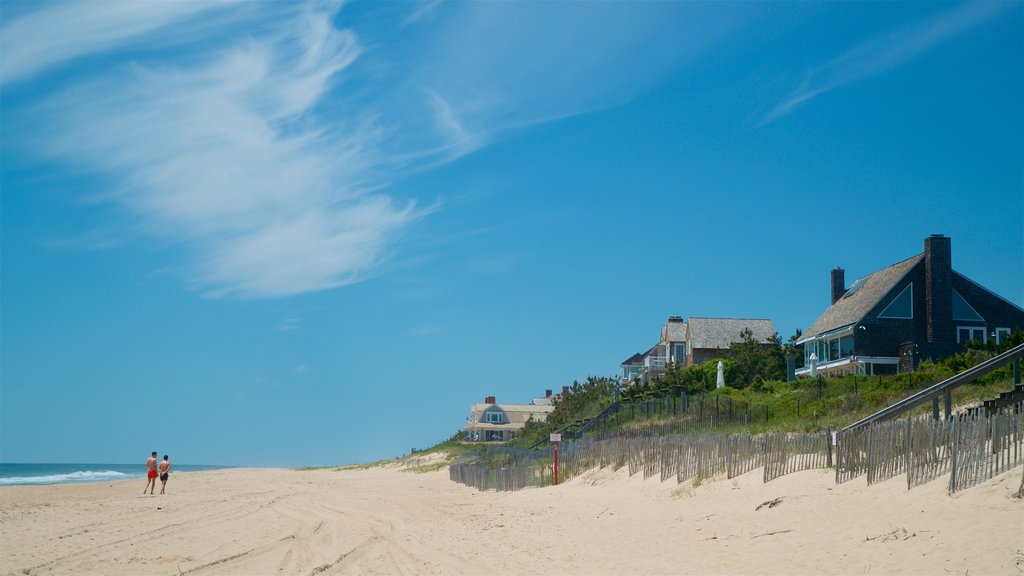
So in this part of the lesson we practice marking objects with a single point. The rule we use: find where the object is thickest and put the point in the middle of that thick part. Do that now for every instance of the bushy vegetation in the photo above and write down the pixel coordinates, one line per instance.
(582, 400)
(756, 388)
(758, 398)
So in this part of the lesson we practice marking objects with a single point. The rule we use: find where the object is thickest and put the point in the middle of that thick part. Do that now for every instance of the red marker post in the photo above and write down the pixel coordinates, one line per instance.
(555, 439)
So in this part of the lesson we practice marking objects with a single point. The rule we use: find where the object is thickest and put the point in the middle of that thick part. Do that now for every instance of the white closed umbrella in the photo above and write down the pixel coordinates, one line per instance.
(721, 376)
(814, 365)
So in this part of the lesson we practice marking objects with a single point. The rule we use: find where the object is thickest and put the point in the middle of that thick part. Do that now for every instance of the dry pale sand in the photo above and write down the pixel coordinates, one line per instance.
(385, 521)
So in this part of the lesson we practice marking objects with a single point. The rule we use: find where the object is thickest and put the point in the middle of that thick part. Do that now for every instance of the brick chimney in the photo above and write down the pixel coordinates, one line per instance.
(838, 284)
(547, 393)
(938, 288)
(489, 400)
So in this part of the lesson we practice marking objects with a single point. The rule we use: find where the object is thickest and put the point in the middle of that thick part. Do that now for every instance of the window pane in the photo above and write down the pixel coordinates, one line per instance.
(962, 310)
(846, 347)
(833, 349)
(902, 306)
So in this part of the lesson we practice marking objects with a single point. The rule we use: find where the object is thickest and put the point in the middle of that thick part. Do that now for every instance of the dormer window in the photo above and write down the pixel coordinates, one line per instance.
(493, 417)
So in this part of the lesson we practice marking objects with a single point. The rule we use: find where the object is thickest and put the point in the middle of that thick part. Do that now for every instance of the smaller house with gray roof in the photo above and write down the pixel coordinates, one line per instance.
(709, 338)
(890, 320)
(493, 422)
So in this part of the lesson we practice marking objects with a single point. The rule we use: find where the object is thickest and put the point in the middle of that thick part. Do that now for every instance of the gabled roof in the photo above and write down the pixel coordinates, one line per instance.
(673, 332)
(861, 297)
(721, 333)
(517, 413)
(637, 358)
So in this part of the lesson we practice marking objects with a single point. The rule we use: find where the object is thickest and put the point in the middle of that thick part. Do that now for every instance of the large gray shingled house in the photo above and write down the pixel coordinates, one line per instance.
(892, 319)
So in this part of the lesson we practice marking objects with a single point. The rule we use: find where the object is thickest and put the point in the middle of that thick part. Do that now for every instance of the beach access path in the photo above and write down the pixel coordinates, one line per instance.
(385, 521)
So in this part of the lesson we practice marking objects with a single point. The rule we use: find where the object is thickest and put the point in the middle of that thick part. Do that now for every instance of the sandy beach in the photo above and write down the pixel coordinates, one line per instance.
(386, 521)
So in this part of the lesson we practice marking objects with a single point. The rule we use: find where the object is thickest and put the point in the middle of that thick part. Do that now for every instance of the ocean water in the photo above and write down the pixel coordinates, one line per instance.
(22, 474)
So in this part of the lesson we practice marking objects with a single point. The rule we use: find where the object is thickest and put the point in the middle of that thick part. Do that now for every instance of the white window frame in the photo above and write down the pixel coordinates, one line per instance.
(497, 420)
(1002, 333)
(677, 348)
(973, 329)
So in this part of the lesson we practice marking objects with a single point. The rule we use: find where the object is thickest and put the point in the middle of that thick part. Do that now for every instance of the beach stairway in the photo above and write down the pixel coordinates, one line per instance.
(1012, 401)
(577, 428)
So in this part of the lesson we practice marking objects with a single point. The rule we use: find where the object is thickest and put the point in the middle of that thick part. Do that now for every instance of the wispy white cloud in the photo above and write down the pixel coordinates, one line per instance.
(60, 32)
(423, 9)
(267, 148)
(885, 53)
(227, 158)
(503, 66)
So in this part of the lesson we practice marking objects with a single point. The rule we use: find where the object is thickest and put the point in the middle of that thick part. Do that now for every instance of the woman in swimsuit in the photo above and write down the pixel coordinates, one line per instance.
(164, 468)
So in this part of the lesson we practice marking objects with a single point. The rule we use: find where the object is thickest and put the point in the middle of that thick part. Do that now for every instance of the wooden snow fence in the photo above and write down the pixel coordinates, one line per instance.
(682, 456)
(785, 453)
(971, 448)
(982, 447)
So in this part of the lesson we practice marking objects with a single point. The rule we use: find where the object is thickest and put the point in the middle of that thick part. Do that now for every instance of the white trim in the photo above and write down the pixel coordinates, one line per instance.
(979, 318)
(973, 329)
(882, 314)
(999, 331)
(841, 331)
(859, 360)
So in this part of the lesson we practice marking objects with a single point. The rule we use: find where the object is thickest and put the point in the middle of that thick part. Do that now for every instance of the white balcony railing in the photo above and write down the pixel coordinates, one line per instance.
(656, 362)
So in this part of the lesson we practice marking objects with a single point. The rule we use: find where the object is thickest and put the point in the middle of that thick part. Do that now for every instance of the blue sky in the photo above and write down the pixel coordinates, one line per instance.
(286, 234)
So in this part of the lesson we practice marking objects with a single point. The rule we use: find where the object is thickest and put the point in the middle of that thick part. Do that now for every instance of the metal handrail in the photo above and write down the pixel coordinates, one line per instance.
(967, 376)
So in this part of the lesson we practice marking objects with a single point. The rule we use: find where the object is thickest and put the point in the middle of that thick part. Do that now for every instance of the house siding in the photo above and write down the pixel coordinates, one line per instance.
(883, 336)
(997, 312)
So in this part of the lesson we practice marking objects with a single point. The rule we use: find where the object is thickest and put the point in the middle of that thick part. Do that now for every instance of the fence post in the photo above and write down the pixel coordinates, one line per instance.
(953, 449)
(949, 403)
(935, 408)
(682, 400)
(1016, 371)
(828, 443)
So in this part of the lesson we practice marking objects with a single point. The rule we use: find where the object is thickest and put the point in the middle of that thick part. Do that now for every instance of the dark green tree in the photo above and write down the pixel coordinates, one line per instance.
(754, 358)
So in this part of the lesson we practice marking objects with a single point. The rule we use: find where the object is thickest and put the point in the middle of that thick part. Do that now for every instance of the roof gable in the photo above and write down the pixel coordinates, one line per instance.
(637, 358)
(856, 303)
(673, 332)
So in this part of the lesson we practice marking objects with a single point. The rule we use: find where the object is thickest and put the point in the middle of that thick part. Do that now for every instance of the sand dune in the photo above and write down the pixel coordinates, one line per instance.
(385, 521)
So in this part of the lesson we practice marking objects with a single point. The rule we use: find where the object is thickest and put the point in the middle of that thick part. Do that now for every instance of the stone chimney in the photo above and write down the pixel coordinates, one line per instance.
(938, 288)
(838, 284)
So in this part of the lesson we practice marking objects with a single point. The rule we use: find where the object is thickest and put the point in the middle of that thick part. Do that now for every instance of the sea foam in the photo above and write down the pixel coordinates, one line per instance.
(79, 476)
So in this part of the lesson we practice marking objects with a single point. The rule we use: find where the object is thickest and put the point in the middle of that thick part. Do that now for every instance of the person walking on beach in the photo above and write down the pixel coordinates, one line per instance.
(150, 474)
(164, 468)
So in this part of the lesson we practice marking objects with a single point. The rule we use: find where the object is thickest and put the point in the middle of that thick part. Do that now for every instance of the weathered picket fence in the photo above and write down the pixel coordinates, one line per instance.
(646, 452)
(971, 448)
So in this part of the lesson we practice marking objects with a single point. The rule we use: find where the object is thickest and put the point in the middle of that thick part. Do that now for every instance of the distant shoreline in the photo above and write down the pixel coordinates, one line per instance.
(50, 474)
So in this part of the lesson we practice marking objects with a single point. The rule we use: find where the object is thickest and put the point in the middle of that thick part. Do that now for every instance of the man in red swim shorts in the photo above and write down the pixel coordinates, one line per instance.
(150, 474)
